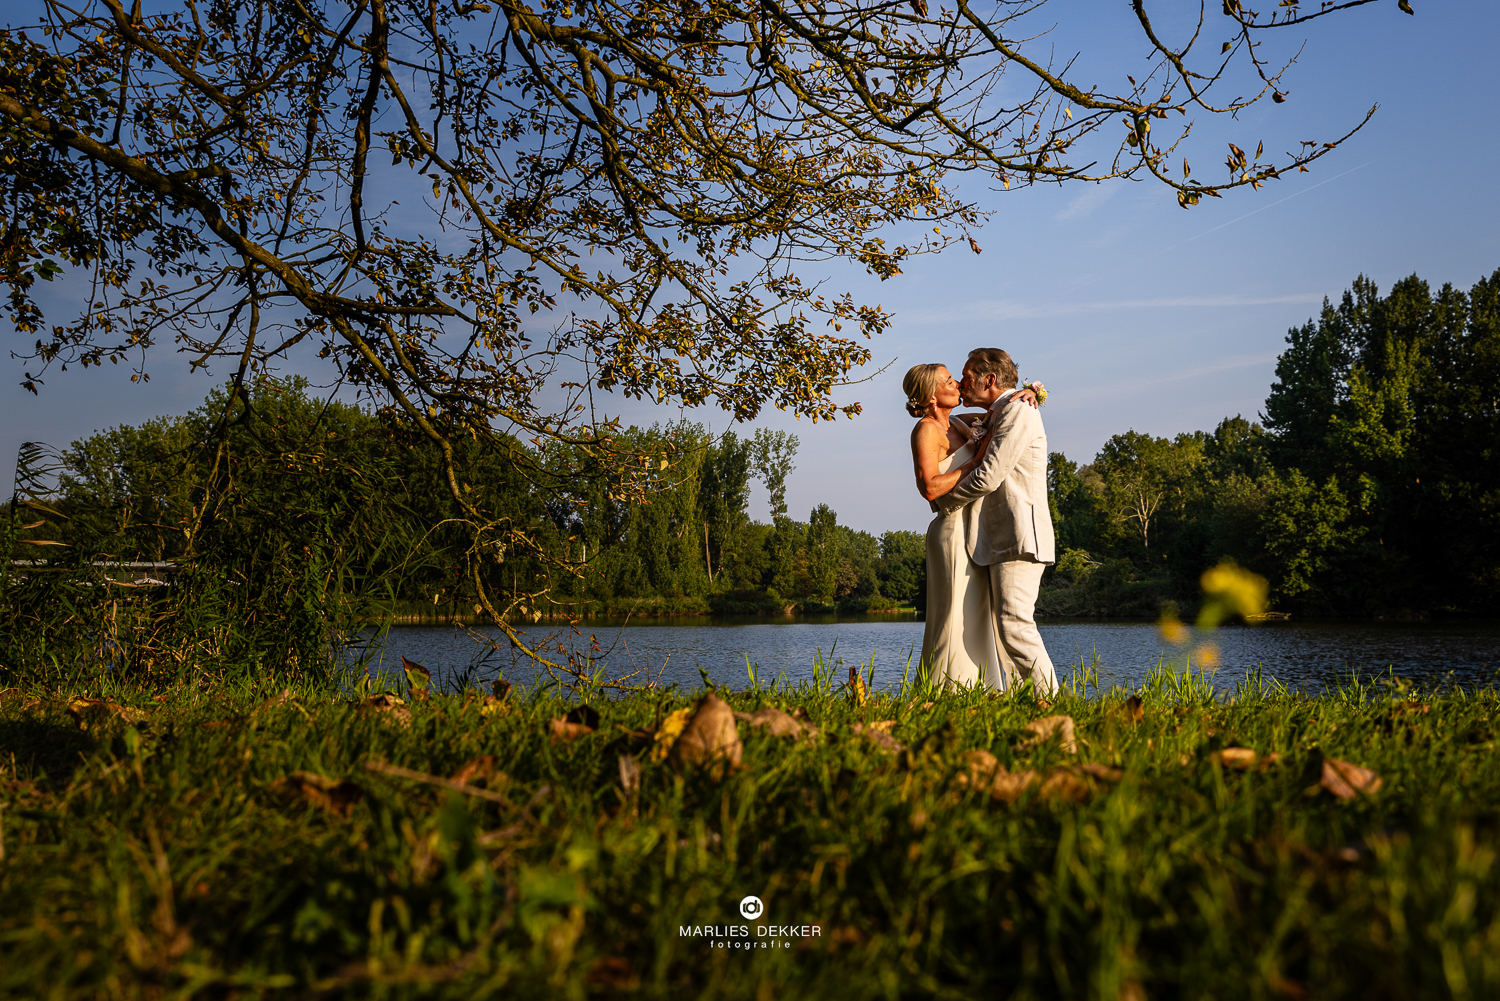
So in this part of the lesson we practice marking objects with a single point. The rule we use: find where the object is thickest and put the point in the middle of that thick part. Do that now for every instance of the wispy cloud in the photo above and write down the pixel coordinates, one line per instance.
(1084, 204)
(1158, 379)
(1008, 309)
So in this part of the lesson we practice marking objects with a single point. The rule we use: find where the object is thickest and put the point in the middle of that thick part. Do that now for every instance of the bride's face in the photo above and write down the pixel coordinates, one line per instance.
(947, 390)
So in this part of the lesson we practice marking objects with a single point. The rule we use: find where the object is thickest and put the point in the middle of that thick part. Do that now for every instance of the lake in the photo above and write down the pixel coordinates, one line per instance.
(1305, 656)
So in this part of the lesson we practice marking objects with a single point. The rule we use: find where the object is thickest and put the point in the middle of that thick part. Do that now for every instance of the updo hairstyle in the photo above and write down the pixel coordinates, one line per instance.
(920, 386)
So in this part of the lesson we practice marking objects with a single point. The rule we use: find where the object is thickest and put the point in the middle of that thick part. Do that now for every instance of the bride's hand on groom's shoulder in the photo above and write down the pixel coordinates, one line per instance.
(1026, 394)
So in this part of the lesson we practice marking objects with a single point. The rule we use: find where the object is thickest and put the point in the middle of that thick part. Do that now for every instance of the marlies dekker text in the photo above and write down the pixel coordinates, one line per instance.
(741, 937)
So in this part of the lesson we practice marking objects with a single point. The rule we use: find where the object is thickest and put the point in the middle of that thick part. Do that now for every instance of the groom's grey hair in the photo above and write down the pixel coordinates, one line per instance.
(993, 361)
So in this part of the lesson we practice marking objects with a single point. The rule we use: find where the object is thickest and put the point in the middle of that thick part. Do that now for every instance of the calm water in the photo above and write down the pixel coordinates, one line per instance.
(1301, 655)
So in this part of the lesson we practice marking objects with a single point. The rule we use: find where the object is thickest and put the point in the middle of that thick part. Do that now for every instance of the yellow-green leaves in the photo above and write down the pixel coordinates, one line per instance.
(1230, 590)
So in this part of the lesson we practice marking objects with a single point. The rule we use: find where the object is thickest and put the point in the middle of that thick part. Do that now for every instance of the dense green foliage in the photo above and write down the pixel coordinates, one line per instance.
(322, 504)
(174, 856)
(1373, 487)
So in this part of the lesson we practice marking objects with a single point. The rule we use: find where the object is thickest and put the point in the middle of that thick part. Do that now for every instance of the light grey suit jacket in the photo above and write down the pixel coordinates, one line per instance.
(1011, 520)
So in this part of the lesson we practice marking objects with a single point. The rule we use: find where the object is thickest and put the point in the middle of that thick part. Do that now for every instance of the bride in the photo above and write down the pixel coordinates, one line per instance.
(959, 645)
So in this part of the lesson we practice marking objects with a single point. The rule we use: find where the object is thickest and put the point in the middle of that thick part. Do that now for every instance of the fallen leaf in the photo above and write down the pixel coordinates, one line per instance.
(391, 708)
(710, 735)
(1048, 727)
(1008, 786)
(338, 797)
(481, 767)
(858, 691)
(1135, 709)
(88, 711)
(501, 689)
(777, 722)
(562, 729)
(1066, 784)
(1104, 772)
(630, 773)
(418, 678)
(666, 735)
(1347, 780)
(879, 737)
(1237, 757)
(980, 769)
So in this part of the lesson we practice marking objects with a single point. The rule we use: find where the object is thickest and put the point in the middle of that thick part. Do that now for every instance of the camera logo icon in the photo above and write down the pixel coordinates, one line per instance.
(752, 908)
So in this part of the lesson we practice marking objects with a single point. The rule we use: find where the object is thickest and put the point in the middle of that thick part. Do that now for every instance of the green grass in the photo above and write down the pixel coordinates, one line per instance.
(160, 858)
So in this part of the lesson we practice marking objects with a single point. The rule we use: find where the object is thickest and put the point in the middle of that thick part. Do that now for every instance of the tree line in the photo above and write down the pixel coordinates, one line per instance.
(1369, 487)
(351, 502)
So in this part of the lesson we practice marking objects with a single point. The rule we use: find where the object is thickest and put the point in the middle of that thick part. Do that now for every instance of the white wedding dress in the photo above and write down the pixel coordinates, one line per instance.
(959, 645)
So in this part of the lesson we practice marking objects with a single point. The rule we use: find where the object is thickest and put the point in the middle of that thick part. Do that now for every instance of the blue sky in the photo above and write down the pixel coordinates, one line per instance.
(1137, 314)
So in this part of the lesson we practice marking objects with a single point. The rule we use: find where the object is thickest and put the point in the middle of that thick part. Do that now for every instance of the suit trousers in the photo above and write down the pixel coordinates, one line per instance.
(1013, 590)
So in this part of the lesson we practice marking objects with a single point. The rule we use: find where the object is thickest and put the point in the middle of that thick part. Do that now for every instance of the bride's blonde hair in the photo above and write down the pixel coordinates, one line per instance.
(920, 386)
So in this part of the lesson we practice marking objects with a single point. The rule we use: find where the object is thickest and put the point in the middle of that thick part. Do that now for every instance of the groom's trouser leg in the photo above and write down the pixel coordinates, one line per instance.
(1013, 590)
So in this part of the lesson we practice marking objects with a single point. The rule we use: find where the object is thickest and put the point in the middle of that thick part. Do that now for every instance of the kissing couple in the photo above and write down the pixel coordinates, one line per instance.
(985, 474)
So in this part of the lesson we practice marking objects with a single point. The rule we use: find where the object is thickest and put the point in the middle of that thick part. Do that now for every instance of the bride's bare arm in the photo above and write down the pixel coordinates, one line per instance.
(929, 446)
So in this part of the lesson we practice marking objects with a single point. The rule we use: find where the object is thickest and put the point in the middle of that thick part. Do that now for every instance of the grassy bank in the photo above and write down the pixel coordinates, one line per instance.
(228, 843)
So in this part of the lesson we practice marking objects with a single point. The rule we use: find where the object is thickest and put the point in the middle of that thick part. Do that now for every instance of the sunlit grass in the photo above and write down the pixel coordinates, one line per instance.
(174, 850)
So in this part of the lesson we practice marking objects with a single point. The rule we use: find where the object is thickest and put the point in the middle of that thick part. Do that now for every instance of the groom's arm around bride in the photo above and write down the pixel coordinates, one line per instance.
(1009, 529)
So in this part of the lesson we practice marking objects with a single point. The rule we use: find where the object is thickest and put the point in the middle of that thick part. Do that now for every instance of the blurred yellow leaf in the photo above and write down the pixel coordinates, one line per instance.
(666, 735)
(1231, 590)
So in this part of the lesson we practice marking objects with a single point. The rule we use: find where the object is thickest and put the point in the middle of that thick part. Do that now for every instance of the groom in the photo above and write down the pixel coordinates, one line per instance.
(1009, 529)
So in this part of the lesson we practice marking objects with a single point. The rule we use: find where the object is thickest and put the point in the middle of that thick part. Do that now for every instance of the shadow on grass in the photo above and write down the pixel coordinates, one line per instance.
(46, 748)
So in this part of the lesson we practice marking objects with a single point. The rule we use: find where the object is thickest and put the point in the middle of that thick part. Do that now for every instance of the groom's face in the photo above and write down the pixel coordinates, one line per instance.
(973, 388)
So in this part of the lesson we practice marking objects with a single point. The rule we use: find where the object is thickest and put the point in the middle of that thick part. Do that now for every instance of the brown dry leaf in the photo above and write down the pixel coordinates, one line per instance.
(1347, 780)
(336, 797)
(777, 722)
(1104, 772)
(1068, 785)
(710, 735)
(980, 768)
(1007, 787)
(1238, 757)
(391, 709)
(501, 689)
(877, 736)
(89, 711)
(1049, 727)
(481, 767)
(1135, 709)
(561, 729)
(630, 773)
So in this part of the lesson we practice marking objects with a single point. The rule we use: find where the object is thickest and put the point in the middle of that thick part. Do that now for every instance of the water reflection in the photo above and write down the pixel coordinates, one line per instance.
(1304, 656)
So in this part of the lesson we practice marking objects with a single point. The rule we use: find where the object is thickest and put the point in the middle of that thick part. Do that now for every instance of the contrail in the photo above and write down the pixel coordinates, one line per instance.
(1247, 215)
